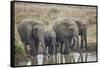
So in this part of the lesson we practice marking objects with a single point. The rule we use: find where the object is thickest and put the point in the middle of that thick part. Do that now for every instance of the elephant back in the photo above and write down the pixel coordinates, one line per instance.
(48, 29)
(25, 28)
(63, 24)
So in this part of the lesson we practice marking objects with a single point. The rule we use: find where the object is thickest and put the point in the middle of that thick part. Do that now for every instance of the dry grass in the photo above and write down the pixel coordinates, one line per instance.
(49, 12)
(46, 13)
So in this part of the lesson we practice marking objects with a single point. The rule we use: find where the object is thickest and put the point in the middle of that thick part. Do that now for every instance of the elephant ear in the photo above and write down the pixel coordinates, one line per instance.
(34, 32)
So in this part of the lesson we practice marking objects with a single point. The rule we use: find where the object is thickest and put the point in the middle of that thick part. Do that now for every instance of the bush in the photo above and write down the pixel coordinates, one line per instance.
(19, 48)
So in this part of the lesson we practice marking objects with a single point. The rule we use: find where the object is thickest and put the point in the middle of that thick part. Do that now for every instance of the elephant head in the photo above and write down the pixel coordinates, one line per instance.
(73, 35)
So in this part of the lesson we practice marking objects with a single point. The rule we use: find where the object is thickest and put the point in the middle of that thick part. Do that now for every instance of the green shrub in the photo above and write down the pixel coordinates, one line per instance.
(19, 49)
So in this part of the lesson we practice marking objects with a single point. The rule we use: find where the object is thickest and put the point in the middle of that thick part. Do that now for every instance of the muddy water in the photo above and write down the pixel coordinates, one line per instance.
(40, 59)
(86, 56)
(57, 59)
(71, 58)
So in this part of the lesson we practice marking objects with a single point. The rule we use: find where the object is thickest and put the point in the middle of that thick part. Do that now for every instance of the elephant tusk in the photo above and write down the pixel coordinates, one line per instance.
(39, 43)
(75, 38)
(28, 47)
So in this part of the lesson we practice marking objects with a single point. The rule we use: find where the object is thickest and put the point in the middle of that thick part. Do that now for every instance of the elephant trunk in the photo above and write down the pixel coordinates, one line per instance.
(41, 41)
(54, 44)
(74, 41)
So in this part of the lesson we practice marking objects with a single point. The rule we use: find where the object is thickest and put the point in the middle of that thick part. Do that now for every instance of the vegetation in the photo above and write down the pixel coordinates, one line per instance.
(19, 48)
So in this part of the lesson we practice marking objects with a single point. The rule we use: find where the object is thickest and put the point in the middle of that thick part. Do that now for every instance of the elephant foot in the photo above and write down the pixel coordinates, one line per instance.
(34, 54)
(71, 47)
(86, 48)
(81, 47)
(65, 52)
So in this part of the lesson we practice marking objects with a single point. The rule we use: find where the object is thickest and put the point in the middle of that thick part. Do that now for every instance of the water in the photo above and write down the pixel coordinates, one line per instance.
(89, 56)
(75, 57)
(40, 59)
(29, 63)
(57, 59)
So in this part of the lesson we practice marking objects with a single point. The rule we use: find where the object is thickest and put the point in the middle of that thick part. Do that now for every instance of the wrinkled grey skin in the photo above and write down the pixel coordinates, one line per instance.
(82, 31)
(31, 33)
(66, 33)
(50, 41)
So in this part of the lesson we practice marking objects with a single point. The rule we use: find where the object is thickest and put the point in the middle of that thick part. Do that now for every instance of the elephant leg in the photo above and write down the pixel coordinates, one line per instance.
(49, 49)
(85, 38)
(72, 43)
(33, 49)
(62, 50)
(53, 46)
(43, 45)
(75, 42)
(31, 42)
(56, 48)
(37, 47)
(82, 39)
(66, 50)
(78, 43)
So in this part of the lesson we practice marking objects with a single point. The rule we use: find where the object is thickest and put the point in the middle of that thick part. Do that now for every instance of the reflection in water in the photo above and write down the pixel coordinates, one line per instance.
(29, 62)
(57, 59)
(40, 59)
(71, 58)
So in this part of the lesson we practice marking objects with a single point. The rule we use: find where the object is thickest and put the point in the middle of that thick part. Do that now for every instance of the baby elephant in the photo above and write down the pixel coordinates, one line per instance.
(50, 40)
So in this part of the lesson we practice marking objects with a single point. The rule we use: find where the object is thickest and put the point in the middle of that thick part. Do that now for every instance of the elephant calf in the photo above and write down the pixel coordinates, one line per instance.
(82, 31)
(50, 40)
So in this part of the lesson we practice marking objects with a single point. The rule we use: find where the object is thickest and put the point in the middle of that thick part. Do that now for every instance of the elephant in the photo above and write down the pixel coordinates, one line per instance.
(66, 34)
(82, 31)
(32, 33)
(50, 40)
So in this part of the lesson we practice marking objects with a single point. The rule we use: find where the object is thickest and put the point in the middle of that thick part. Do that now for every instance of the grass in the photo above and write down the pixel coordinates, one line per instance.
(91, 34)
(50, 12)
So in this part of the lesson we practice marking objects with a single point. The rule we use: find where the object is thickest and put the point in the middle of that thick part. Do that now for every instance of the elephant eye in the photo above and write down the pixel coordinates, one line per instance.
(34, 31)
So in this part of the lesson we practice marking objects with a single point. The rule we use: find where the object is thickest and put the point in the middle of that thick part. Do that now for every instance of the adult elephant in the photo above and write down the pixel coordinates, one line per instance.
(50, 39)
(31, 33)
(66, 34)
(82, 31)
